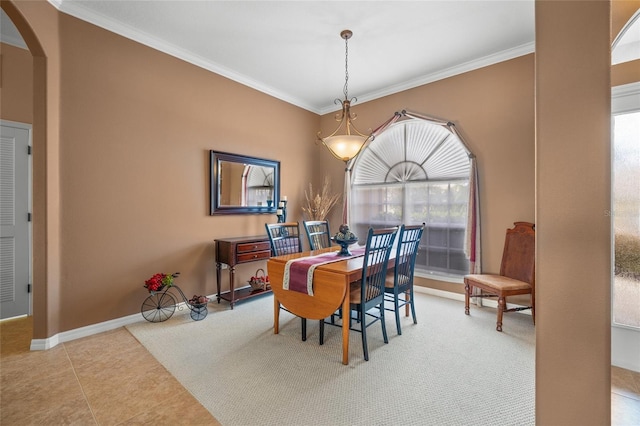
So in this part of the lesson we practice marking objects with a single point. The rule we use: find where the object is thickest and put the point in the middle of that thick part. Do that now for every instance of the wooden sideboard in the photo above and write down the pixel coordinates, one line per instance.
(234, 251)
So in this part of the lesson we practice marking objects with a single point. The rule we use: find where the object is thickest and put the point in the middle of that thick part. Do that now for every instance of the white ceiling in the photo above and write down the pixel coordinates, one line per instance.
(292, 49)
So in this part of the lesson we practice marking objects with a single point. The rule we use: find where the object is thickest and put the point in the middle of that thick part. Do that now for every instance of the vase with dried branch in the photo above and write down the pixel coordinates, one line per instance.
(319, 204)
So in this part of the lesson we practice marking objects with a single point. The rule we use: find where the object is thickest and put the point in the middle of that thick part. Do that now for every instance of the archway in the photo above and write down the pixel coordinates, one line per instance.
(45, 225)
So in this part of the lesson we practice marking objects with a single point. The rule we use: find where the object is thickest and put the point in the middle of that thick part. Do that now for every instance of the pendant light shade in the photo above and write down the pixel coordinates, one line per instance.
(344, 147)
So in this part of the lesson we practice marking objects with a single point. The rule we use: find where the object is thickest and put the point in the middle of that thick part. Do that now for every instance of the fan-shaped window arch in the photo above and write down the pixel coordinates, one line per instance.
(258, 184)
(416, 171)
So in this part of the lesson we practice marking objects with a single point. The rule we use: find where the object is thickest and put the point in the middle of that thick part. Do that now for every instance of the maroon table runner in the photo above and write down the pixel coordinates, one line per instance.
(298, 273)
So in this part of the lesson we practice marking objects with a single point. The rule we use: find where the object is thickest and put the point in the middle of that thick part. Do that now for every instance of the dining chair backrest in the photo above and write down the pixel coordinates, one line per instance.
(407, 249)
(318, 234)
(284, 238)
(374, 269)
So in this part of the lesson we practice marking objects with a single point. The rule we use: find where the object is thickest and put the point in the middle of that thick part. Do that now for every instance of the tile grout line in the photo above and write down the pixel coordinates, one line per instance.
(84, 395)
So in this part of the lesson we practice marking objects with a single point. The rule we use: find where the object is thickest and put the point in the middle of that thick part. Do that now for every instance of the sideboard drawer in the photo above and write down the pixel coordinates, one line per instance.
(254, 255)
(253, 247)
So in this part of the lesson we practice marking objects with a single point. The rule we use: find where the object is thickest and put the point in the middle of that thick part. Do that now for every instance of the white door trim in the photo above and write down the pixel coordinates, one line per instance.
(625, 341)
(29, 128)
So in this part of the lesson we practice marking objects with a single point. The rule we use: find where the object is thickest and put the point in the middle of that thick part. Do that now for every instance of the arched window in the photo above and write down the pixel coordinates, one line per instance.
(414, 172)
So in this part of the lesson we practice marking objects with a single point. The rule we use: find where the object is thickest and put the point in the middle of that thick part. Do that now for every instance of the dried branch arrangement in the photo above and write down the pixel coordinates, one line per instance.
(320, 204)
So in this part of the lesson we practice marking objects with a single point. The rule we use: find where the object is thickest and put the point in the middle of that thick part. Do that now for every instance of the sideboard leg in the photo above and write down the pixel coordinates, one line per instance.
(232, 280)
(218, 269)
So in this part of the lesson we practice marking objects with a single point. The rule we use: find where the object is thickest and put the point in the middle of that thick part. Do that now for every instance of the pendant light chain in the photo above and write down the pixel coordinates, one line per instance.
(346, 68)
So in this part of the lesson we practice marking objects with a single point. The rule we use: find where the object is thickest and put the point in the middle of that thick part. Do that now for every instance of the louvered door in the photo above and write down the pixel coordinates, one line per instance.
(14, 225)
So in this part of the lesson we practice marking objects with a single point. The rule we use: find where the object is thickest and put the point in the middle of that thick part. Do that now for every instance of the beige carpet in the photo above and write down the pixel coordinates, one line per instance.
(449, 369)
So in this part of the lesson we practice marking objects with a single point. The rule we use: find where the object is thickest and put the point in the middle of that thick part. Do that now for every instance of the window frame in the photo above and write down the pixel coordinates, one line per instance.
(428, 249)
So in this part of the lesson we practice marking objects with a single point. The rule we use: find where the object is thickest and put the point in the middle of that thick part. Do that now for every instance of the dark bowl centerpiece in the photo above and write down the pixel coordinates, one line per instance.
(345, 238)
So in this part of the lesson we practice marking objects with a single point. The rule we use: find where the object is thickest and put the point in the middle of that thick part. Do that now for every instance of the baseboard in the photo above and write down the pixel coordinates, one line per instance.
(625, 347)
(67, 336)
(486, 302)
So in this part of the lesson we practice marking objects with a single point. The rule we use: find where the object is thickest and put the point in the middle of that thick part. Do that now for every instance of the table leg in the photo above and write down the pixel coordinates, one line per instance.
(346, 313)
(276, 315)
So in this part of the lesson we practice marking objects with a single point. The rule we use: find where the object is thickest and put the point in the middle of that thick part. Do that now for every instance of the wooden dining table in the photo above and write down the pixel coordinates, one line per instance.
(330, 290)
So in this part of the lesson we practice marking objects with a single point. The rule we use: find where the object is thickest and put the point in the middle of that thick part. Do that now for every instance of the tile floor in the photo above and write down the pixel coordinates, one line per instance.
(105, 379)
(625, 397)
(110, 379)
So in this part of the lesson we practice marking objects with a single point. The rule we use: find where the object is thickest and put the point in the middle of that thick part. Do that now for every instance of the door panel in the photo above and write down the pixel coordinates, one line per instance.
(15, 139)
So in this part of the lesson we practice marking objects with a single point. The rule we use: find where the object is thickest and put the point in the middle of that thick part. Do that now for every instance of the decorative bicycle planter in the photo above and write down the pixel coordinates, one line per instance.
(160, 305)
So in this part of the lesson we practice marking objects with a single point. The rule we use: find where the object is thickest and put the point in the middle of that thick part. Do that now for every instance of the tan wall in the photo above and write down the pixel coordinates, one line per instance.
(16, 84)
(493, 109)
(625, 73)
(137, 126)
(573, 179)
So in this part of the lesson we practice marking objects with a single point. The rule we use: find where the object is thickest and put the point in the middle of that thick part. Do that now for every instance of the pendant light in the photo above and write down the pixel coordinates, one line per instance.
(347, 144)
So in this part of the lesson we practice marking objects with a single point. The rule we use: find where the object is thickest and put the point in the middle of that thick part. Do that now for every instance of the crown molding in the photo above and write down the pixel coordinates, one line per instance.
(625, 98)
(79, 11)
(492, 59)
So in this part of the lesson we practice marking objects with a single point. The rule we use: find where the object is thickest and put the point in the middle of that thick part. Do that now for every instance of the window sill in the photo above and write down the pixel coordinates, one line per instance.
(456, 279)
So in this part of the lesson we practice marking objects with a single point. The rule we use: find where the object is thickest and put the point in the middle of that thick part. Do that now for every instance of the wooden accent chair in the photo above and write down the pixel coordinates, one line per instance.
(517, 273)
(285, 239)
(399, 283)
(318, 234)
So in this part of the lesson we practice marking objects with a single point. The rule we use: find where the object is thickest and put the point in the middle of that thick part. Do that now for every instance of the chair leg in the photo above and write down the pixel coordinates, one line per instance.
(413, 308)
(467, 293)
(502, 304)
(384, 324)
(533, 308)
(304, 329)
(407, 298)
(365, 349)
(396, 309)
(322, 331)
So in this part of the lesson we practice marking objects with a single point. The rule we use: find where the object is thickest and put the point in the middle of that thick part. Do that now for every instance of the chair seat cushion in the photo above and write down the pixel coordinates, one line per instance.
(402, 280)
(355, 295)
(354, 292)
(497, 282)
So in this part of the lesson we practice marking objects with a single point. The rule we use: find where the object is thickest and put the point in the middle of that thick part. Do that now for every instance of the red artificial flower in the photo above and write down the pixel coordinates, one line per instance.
(158, 281)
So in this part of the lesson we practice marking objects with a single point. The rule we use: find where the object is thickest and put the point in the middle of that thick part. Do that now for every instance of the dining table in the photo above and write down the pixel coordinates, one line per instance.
(331, 283)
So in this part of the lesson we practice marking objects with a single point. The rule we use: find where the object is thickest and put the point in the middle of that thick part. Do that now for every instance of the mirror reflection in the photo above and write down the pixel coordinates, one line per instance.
(245, 184)
(242, 184)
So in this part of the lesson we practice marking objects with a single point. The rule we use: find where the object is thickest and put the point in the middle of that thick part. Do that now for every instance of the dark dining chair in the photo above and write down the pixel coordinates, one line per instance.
(368, 293)
(318, 234)
(285, 239)
(517, 273)
(399, 283)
